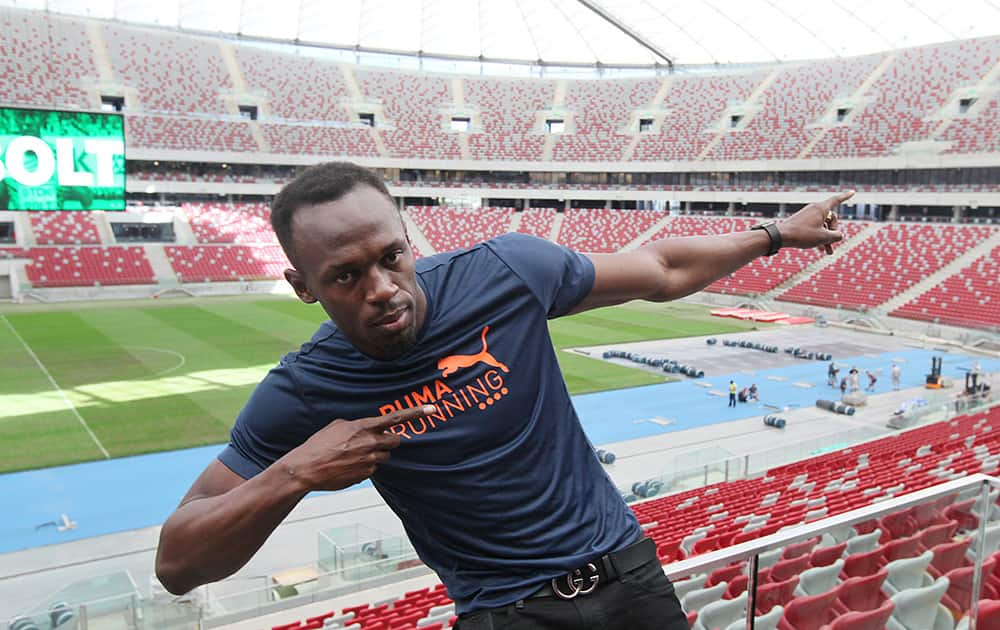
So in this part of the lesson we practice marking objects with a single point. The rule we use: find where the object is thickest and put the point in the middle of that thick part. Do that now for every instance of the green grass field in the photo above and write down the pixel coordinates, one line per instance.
(82, 382)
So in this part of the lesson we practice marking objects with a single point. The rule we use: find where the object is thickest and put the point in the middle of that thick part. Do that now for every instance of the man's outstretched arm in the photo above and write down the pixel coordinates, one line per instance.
(672, 268)
(223, 520)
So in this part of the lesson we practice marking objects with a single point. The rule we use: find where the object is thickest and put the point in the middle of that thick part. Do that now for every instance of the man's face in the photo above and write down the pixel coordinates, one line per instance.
(353, 258)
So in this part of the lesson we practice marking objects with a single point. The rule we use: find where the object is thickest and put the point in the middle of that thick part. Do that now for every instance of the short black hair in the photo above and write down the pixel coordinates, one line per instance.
(321, 183)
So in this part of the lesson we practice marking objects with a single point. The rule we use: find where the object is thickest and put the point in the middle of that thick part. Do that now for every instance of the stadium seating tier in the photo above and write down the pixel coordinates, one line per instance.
(970, 297)
(85, 266)
(185, 92)
(885, 264)
(824, 582)
(64, 228)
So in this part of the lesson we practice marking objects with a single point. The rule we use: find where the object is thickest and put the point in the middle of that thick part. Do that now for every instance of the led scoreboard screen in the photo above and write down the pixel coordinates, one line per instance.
(55, 160)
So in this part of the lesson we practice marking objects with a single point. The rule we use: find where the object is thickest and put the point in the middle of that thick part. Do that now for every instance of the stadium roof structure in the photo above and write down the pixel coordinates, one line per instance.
(571, 33)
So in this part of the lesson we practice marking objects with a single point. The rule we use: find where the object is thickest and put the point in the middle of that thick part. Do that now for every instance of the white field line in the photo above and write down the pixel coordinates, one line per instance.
(55, 386)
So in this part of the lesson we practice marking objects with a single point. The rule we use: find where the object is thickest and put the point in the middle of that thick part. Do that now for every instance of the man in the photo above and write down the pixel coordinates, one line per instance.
(752, 393)
(872, 379)
(855, 379)
(831, 374)
(446, 364)
(896, 373)
(732, 393)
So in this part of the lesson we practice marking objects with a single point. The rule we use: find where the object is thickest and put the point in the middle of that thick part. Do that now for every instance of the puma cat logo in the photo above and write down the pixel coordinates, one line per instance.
(451, 364)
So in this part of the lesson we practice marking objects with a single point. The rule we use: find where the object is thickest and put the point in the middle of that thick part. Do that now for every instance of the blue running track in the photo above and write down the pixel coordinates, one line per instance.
(134, 492)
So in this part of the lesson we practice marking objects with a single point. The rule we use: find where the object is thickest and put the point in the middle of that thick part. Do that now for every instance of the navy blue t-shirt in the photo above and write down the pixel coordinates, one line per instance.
(500, 490)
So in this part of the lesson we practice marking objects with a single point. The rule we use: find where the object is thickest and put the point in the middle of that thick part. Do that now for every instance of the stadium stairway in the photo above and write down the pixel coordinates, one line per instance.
(556, 227)
(515, 222)
(856, 97)
(103, 225)
(642, 238)
(227, 52)
(102, 62)
(985, 86)
(936, 278)
(183, 232)
(558, 103)
(655, 107)
(821, 262)
(24, 235)
(351, 82)
(458, 100)
(417, 236)
(157, 257)
(749, 108)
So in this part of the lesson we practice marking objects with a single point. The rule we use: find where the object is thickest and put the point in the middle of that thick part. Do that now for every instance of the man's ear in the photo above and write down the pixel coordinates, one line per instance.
(294, 278)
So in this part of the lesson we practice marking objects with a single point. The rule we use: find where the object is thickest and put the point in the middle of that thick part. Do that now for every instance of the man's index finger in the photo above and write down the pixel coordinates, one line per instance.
(381, 423)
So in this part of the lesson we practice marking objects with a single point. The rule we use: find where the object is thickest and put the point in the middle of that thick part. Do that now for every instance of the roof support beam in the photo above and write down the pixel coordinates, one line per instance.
(625, 28)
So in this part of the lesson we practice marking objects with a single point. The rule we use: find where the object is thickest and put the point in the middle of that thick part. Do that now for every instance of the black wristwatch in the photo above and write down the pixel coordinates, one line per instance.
(772, 232)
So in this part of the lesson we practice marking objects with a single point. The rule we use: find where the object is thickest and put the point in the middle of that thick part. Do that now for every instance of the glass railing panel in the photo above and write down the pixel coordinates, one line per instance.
(919, 559)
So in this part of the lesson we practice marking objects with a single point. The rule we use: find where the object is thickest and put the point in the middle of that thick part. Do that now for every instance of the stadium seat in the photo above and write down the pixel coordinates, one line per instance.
(908, 573)
(817, 580)
(861, 593)
(808, 612)
(921, 609)
(901, 547)
(769, 621)
(958, 597)
(991, 542)
(988, 616)
(725, 574)
(948, 556)
(693, 583)
(803, 548)
(697, 599)
(862, 543)
(874, 619)
(784, 569)
(938, 534)
(862, 563)
(825, 556)
(721, 613)
(776, 594)
(737, 585)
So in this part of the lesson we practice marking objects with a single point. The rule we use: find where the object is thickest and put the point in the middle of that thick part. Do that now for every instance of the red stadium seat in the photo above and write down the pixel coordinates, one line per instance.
(808, 612)
(873, 619)
(775, 594)
(861, 593)
(825, 556)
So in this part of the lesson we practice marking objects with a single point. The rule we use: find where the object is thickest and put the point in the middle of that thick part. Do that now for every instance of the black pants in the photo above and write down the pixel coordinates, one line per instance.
(642, 599)
(732, 400)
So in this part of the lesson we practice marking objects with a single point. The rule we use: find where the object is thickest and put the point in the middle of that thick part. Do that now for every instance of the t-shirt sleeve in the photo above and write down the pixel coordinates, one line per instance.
(559, 277)
(269, 425)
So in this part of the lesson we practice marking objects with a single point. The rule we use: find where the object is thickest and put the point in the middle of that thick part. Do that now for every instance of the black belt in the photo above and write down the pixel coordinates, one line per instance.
(611, 566)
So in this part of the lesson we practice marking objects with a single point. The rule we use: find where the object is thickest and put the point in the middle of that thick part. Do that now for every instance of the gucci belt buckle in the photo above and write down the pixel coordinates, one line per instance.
(574, 582)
